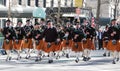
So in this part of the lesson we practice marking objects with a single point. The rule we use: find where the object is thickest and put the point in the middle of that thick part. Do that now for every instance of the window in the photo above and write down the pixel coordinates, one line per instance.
(36, 3)
(28, 2)
(20, 2)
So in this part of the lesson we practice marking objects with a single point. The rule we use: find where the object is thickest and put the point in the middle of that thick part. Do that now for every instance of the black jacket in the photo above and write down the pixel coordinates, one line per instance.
(50, 34)
(28, 29)
(7, 30)
(80, 34)
(20, 33)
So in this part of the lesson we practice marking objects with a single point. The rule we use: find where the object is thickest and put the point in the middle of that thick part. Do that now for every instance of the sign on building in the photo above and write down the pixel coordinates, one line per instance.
(78, 3)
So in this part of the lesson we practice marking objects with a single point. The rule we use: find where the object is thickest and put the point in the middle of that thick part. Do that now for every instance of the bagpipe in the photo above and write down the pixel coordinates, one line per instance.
(17, 32)
(9, 32)
(37, 42)
(114, 42)
(28, 31)
(66, 38)
(106, 39)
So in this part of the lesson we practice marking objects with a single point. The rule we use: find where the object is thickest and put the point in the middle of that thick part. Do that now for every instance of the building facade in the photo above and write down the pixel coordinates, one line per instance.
(107, 7)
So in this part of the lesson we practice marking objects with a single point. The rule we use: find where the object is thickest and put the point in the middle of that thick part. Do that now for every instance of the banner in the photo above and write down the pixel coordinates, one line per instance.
(78, 3)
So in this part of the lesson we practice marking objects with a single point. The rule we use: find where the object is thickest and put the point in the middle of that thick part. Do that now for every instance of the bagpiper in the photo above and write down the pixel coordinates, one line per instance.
(113, 32)
(88, 45)
(67, 39)
(105, 39)
(77, 46)
(28, 43)
(18, 38)
(38, 38)
(8, 31)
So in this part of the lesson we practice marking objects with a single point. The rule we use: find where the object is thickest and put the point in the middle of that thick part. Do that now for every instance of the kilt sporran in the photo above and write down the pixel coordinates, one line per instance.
(48, 45)
(114, 42)
(7, 41)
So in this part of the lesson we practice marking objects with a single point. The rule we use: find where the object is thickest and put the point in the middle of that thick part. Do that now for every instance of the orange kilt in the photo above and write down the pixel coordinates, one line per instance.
(8, 46)
(118, 46)
(40, 45)
(57, 47)
(28, 44)
(112, 47)
(88, 44)
(17, 46)
(65, 46)
(48, 49)
(105, 45)
(77, 49)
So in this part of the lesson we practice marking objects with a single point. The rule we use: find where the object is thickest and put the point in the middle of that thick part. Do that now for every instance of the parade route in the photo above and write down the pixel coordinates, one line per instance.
(97, 63)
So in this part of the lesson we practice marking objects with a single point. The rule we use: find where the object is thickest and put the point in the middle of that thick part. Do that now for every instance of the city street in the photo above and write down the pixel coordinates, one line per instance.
(97, 63)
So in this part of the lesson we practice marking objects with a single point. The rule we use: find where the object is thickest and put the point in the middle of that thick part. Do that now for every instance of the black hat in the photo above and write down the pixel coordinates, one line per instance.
(113, 20)
(8, 20)
(36, 23)
(19, 21)
(42, 19)
(49, 21)
(28, 20)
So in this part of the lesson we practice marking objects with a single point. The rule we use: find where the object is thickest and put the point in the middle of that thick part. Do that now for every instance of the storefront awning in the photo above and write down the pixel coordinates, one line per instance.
(18, 12)
(39, 13)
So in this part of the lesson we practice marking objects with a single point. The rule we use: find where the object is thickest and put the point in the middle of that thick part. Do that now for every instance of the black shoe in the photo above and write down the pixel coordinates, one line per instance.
(58, 57)
(48, 55)
(50, 61)
(8, 58)
(67, 56)
(54, 53)
(27, 57)
(104, 54)
(113, 62)
(109, 54)
(19, 57)
(84, 59)
(77, 60)
(117, 59)
(63, 54)
(88, 58)
(36, 60)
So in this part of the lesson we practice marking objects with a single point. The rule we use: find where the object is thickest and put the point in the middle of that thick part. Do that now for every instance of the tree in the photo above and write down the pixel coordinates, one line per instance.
(98, 11)
(116, 4)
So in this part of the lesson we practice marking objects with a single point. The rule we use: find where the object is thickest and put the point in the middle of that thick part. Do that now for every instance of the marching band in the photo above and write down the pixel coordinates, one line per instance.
(52, 39)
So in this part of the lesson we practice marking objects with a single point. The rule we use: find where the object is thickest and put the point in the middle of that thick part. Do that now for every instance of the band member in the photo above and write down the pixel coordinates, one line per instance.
(67, 40)
(113, 42)
(27, 44)
(18, 37)
(78, 35)
(38, 38)
(58, 47)
(105, 41)
(8, 40)
(88, 45)
(50, 35)
(118, 24)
